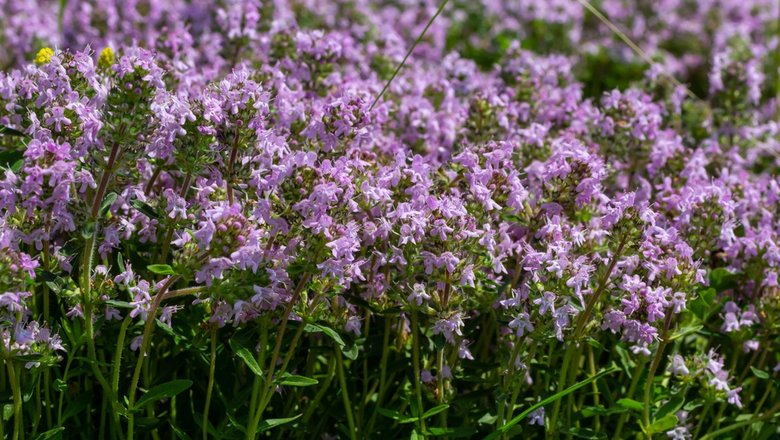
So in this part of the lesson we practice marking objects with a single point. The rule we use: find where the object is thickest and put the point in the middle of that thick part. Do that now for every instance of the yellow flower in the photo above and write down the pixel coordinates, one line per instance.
(106, 58)
(44, 56)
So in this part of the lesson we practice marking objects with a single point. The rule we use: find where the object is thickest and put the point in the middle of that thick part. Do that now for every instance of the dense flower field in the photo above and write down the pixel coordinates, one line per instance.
(232, 219)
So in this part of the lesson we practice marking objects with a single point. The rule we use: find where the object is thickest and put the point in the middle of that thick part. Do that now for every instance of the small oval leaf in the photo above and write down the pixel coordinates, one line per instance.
(164, 391)
(161, 269)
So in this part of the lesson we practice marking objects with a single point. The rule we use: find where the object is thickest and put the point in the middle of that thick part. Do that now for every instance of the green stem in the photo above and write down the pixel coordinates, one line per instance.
(504, 412)
(440, 385)
(166, 243)
(117, 362)
(265, 396)
(345, 395)
(89, 326)
(702, 419)
(408, 53)
(231, 163)
(416, 366)
(257, 383)
(649, 386)
(47, 372)
(716, 434)
(183, 292)
(210, 387)
(629, 394)
(17, 404)
(62, 393)
(382, 375)
(572, 352)
(120, 344)
(321, 393)
(148, 326)
(596, 403)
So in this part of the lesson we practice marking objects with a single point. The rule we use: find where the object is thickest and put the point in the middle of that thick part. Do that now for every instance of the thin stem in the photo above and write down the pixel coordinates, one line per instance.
(47, 372)
(117, 362)
(382, 375)
(265, 396)
(210, 387)
(440, 385)
(593, 372)
(148, 326)
(416, 366)
(17, 406)
(86, 281)
(345, 395)
(642, 54)
(152, 180)
(583, 318)
(231, 164)
(705, 411)
(321, 393)
(120, 344)
(89, 326)
(408, 53)
(183, 292)
(260, 357)
(629, 394)
(101, 190)
(715, 434)
(571, 357)
(653, 367)
(166, 243)
(62, 393)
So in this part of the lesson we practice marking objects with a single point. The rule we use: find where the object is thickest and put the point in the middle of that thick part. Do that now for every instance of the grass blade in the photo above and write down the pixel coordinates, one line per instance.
(547, 401)
(411, 49)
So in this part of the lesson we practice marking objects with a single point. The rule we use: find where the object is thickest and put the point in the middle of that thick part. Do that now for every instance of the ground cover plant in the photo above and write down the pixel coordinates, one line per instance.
(243, 219)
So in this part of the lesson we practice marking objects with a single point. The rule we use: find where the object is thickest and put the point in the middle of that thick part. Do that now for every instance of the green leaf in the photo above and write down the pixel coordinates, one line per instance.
(88, 230)
(594, 343)
(460, 432)
(395, 415)
(670, 407)
(702, 306)
(349, 353)
(119, 304)
(120, 261)
(181, 435)
(60, 385)
(164, 391)
(760, 373)
(435, 410)
(105, 205)
(145, 208)
(317, 328)
(631, 404)
(296, 381)
(161, 269)
(50, 434)
(8, 131)
(11, 159)
(267, 424)
(586, 433)
(17, 166)
(246, 355)
(662, 425)
(76, 406)
(721, 279)
(503, 429)
(590, 411)
(685, 331)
